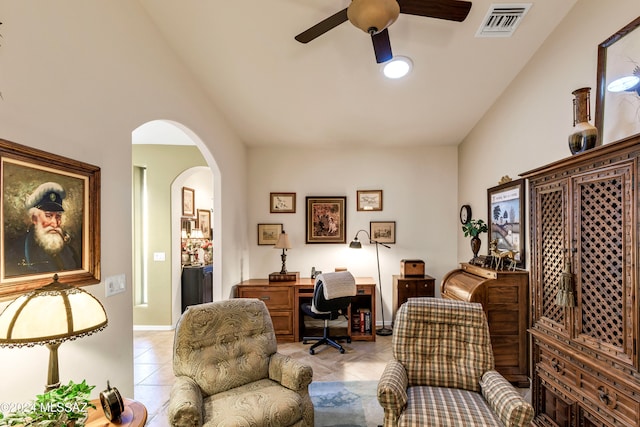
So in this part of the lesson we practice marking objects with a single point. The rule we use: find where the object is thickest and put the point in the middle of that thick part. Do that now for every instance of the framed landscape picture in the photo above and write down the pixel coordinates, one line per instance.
(188, 201)
(204, 222)
(326, 219)
(383, 231)
(268, 233)
(51, 220)
(506, 218)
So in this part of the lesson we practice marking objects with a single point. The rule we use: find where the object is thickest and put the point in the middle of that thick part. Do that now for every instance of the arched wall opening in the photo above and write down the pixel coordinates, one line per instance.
(162, 133)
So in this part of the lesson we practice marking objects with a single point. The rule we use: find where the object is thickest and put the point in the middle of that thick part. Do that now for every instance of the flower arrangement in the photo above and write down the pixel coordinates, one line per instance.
(474, 227)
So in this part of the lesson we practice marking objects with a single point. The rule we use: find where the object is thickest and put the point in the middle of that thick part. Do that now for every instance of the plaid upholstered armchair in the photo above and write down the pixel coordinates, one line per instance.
(443, 372)
(228, 372)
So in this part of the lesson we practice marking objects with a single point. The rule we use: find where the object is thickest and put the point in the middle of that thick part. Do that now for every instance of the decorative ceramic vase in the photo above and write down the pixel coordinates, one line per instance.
(475, 246)
(584, 135)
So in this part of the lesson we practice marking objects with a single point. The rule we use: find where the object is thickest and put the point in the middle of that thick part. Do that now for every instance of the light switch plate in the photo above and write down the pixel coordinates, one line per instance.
(159, 256)
(115, 284)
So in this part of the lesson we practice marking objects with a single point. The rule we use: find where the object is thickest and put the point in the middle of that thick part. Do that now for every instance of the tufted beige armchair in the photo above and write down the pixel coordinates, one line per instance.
(228, 372)
(442, 373)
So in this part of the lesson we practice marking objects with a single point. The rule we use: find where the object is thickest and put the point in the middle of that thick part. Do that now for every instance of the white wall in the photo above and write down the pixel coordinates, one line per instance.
(77, 78)
(418, 187)
(529, 125)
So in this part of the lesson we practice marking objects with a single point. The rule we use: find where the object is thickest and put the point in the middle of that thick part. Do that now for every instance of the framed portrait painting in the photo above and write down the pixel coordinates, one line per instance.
(506, 218)
(326, 219)
(268, 234)
(50, 209)
(618, 80)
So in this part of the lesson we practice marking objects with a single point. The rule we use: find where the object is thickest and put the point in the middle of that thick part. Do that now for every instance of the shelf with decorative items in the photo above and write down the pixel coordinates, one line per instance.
(195, 248)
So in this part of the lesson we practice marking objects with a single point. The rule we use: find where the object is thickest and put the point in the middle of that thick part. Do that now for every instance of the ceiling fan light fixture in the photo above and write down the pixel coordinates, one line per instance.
(373, 16)
(397, 67)
(624, 83)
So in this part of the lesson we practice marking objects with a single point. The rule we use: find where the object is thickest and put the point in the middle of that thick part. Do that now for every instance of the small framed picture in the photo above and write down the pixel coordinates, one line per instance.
(188, 201)
(283, 202)
(383, 231)
(369, 200)
(506, 215)
(204, 222)
(268, 233)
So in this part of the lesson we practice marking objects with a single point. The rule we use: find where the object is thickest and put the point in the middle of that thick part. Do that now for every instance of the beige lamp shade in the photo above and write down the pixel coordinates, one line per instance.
(373, 16)
(283, 241)
(49, 316)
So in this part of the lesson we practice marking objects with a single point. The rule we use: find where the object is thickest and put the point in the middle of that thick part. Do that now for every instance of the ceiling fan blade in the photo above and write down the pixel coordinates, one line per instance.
(323, 26)
(451, 10)
(382, 46)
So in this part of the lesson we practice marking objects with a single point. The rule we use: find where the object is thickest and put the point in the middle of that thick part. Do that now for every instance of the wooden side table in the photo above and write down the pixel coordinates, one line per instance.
(134, 415)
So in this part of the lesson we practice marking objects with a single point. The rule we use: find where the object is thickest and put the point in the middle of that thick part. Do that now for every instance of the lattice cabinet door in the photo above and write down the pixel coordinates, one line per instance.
(604, 260)
(550, 249)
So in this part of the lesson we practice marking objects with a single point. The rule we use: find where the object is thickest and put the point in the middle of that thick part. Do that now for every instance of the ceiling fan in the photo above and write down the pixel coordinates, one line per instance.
(375, 16)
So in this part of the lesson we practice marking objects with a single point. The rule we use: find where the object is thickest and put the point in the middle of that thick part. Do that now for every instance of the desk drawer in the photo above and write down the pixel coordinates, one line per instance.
(274, 297)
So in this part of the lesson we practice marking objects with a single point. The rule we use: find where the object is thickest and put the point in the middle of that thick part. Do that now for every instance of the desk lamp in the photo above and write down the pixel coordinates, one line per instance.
(355, 244)
(49, 316)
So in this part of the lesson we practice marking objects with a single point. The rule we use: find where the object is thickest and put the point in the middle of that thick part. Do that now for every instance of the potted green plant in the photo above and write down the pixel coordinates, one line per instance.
(473, 228)
(66, 405)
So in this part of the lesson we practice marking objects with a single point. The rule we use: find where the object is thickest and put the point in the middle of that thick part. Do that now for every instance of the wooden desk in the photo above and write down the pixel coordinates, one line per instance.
(134, 415)
(283, 300)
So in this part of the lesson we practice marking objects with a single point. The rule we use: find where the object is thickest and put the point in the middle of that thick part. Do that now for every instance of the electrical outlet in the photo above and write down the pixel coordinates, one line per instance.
(115, 284)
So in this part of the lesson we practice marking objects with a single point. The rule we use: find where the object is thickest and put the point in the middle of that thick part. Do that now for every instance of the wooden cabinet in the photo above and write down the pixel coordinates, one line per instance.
(197, 285)
(584, 212)
(504, 297)
(405, 287)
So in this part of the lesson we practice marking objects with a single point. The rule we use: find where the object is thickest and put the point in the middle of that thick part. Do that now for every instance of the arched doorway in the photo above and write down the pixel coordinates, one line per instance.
(163, 154)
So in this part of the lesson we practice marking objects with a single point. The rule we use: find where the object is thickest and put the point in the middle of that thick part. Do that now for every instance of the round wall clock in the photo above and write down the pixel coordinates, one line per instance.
(465, 214)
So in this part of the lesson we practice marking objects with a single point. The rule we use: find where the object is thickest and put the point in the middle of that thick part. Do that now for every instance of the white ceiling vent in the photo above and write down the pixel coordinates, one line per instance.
(502, 19)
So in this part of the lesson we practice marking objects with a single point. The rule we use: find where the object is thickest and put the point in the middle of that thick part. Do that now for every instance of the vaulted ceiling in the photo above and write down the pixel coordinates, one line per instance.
(277, 91)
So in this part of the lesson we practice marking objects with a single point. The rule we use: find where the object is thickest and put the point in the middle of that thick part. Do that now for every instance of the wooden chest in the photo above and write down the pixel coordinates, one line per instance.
(504, 297)
(412, 267)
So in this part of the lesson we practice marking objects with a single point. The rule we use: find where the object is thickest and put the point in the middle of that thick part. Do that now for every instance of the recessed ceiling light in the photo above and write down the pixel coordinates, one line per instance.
(623, 83)
(397, 67)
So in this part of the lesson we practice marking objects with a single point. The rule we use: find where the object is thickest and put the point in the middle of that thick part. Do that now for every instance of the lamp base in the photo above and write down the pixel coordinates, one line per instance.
(384, 332)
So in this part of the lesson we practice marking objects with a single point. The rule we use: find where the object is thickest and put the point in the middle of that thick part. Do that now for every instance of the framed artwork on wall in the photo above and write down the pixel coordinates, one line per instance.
(506, 218)
(326, 219)
(618, 91)
(369, 200)
(282, 202)
(383, 231)
(204, 222)
(268, 233)
(188, 201)
(51, 220)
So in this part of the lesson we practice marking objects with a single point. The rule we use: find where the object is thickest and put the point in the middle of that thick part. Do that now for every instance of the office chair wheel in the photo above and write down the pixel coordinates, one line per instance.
(348, 340)
(342, 351)
(312, 351)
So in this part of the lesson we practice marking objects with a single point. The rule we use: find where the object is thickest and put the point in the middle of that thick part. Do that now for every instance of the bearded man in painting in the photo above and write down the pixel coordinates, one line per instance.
(44, 247)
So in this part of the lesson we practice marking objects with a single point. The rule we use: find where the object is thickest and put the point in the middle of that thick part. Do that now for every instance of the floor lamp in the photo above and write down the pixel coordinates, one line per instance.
(355, 244)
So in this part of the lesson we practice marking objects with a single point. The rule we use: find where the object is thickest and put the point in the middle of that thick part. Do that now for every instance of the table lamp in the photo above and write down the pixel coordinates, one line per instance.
(355, 244)
(284, 244)
(49, 316)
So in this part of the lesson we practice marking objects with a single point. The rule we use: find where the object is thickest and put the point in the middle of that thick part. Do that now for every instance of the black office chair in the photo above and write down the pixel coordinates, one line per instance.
(330, 309)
